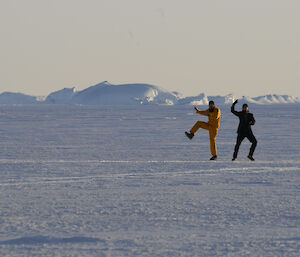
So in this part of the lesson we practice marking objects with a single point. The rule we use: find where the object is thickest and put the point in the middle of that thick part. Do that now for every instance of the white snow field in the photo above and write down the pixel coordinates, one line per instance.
(125, 181)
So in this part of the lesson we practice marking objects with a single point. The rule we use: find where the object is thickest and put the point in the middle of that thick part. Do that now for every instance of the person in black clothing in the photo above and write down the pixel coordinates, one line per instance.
(244, 130)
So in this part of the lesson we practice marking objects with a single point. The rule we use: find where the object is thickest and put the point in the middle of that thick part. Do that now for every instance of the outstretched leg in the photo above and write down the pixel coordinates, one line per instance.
(239, 140)
(198, 125)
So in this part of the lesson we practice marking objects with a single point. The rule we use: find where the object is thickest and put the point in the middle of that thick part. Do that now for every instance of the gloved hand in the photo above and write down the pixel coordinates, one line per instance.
(235, 102)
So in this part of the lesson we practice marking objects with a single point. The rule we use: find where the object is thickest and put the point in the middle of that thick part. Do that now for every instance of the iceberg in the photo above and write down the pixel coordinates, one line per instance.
(17, 98)
(105, 93)
(126, 94)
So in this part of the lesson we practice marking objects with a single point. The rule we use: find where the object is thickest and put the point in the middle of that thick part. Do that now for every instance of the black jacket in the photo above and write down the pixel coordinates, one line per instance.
(246, 121)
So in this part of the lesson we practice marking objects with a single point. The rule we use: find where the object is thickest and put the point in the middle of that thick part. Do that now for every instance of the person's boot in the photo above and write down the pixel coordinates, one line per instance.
(250, 157)
(215, 157)
(189, 135)
(234, 159)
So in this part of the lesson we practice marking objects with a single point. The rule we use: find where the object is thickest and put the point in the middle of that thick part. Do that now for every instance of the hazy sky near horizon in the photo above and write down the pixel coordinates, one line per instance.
(245, 47)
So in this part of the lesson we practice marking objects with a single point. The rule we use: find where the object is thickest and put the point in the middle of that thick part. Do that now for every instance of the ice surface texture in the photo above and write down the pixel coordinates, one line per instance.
(116, 181)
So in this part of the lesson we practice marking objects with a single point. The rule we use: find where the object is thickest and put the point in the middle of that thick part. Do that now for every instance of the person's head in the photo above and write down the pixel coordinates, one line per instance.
(211, 105)
(245, 108)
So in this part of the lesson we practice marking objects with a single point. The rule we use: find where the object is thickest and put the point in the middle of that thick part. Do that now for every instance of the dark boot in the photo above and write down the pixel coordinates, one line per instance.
(250, 157)
(215, 157)
(189, 135)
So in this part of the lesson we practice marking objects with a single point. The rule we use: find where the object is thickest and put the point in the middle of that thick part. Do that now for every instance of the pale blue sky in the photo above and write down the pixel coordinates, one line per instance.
(215, 46)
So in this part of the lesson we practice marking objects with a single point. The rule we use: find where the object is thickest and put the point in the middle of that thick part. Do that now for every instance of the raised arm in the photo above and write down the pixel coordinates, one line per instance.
(206, 113)
(233, 110)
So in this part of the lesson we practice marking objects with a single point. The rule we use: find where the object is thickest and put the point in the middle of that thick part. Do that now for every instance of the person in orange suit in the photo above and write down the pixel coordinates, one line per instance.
(213, 125)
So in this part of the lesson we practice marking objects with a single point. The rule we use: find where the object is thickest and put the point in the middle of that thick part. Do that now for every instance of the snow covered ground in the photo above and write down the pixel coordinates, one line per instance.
(125, 181)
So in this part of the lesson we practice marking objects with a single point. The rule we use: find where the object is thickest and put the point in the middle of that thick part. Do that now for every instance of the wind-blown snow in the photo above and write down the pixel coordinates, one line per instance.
(125, 181)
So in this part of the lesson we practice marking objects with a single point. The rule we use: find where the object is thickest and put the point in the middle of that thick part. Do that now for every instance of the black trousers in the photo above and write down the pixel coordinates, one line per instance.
(240, 139)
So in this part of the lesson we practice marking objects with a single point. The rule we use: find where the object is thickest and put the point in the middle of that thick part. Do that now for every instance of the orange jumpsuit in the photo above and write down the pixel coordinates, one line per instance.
(212, 126)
